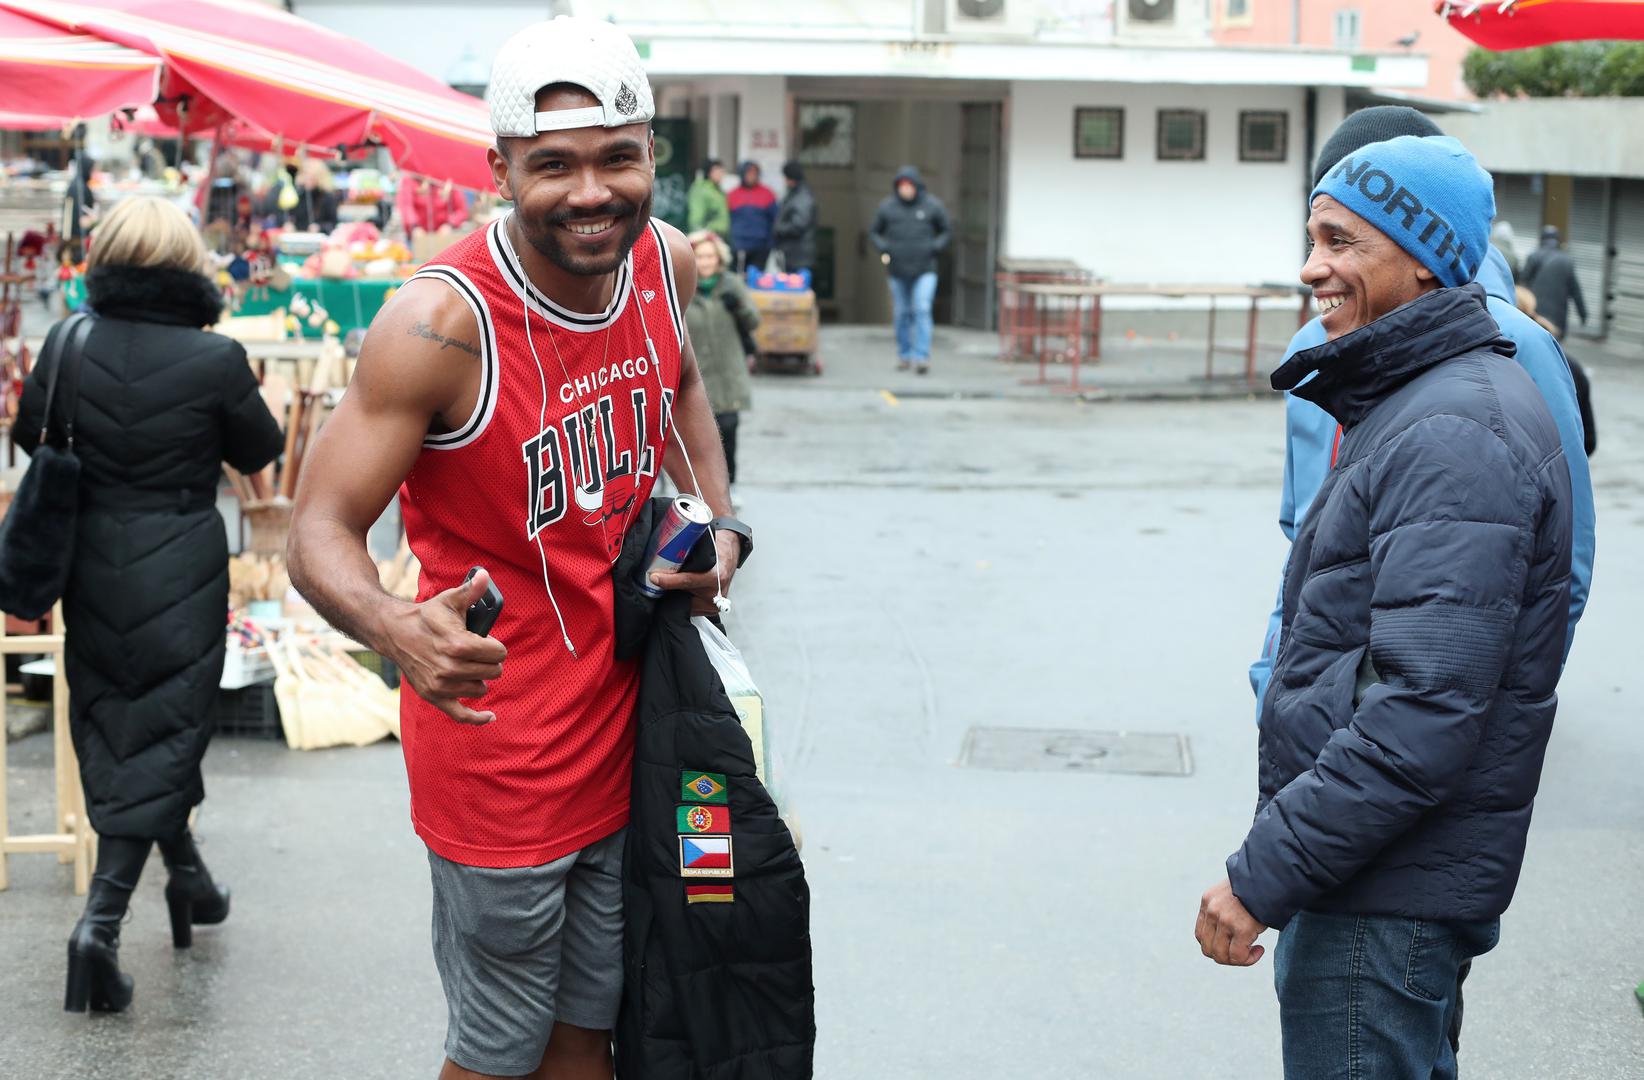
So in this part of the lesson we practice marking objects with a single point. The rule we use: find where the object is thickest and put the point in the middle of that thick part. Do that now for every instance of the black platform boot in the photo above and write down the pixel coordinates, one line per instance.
(94, 977)
(191, 897)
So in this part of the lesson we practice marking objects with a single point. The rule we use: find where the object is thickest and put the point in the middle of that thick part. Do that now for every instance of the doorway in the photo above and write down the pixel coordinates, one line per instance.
(976, 218)
(956, 145)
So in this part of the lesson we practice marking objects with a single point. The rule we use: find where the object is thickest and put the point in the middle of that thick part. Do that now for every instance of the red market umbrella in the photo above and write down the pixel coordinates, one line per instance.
(288, 77)
(147, 121)
(1520, 24)
(50, 78)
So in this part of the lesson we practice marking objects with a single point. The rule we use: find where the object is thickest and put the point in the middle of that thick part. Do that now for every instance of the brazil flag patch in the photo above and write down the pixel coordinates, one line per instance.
(704, 819)
(702, 787)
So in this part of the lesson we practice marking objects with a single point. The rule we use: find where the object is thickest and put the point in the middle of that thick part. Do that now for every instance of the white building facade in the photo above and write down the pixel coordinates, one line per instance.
(1112, 133)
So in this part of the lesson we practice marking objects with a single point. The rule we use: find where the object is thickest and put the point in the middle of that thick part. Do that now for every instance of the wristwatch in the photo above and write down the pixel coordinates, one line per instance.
(743, 532)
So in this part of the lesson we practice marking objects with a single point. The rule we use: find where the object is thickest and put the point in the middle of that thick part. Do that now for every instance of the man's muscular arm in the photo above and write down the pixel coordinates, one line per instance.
(417, 372)
(694, 429)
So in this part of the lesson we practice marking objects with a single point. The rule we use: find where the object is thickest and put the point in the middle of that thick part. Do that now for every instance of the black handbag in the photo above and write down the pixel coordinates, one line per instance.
(37, 534)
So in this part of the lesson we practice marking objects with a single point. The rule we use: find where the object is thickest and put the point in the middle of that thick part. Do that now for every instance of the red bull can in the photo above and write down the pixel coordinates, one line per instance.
(682, 524)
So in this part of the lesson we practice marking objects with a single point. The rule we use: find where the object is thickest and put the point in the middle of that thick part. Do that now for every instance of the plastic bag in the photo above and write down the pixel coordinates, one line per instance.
(745, 697)
(287, 199)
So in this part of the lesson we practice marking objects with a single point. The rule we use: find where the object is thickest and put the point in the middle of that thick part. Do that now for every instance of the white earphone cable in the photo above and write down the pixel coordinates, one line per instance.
(542, 422)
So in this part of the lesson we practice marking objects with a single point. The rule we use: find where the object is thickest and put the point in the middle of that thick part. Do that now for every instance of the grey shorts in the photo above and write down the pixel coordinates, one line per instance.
(521, 949)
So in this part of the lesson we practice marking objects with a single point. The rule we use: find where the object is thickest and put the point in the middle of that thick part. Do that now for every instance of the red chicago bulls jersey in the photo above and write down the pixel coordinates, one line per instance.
(538, 486)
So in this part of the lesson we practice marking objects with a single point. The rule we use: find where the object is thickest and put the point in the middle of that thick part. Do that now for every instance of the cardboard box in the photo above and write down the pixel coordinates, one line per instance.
(788, 321)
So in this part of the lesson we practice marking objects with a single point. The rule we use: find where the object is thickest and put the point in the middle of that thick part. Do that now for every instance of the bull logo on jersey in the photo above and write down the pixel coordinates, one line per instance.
(580, 461)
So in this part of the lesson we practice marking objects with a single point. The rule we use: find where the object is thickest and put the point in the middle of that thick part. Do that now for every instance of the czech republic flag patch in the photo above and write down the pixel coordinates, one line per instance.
(705, 856)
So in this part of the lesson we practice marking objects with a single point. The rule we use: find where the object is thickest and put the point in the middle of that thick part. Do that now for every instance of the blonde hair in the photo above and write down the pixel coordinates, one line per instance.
(148, 233)
(721, 248)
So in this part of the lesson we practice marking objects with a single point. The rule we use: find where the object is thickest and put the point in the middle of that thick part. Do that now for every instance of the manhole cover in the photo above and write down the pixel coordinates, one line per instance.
(1039, 750)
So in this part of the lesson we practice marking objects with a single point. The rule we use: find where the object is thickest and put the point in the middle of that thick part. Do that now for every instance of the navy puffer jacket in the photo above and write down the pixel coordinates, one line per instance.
(1425, 604)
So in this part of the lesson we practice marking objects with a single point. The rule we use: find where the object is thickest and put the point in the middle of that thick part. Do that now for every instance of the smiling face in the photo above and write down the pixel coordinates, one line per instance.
(581, 197)
(1357, 273)
(707, 259)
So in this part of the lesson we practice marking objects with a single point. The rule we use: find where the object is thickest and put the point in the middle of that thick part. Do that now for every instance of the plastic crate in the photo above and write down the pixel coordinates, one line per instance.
(380, 666)
(250, 713)
(246, 667)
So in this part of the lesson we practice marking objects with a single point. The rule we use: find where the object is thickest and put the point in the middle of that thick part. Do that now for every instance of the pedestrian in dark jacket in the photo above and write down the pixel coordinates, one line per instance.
(162, 404)
(1551, 276)
(753, 219)
(909, 229)
(721, 320)
(795, 230)
(1425, 608)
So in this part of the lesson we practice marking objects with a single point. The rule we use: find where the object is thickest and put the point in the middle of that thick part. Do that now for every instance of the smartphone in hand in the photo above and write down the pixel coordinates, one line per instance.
(482, 613)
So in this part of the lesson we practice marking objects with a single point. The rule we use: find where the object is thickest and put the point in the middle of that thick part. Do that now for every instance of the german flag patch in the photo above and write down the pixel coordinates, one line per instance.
(710, 894)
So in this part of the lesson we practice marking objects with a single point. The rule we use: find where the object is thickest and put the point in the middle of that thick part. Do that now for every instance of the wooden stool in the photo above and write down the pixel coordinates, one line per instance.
(74, 841)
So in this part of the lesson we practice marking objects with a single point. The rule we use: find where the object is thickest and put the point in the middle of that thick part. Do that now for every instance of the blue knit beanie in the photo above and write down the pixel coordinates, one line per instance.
(1428, 194)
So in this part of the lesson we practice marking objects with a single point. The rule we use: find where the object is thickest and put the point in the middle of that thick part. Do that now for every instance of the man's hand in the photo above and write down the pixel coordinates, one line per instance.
(703, 587)
(1227, 933)
(441, 660)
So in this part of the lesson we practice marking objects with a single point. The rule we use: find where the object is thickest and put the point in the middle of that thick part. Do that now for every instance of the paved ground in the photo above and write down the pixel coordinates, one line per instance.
(930, 560)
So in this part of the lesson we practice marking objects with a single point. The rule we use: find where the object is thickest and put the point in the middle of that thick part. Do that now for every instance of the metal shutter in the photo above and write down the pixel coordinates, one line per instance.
(1626, 300)
(1518, 202)
(1589, 249)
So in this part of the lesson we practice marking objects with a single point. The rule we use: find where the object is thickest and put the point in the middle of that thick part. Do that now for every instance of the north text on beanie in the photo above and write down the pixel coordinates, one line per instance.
(1429, 195)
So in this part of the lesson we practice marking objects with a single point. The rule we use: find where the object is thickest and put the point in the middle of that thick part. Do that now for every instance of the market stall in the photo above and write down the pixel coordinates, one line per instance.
(259, 79)
(306, 85)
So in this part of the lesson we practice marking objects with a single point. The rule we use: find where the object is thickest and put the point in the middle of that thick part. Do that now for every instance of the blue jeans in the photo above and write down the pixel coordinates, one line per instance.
(1374, 997)
(912, 298)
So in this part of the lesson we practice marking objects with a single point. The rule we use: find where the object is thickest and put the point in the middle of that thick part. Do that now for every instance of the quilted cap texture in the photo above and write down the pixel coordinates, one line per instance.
(585, 52)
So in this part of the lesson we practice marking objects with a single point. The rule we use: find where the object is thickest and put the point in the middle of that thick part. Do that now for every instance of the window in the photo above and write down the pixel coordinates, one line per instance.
(1098, 133)
(827, 134)
(1238, 12)
(1264, 136)
(1181, 135)
(1347, 29)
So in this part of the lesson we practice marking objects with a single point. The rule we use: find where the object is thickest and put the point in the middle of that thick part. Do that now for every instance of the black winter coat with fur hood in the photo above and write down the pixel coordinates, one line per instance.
(162, 405)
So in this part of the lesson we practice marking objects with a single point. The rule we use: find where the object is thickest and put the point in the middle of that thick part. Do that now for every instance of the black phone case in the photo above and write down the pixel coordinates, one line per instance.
(482, 613)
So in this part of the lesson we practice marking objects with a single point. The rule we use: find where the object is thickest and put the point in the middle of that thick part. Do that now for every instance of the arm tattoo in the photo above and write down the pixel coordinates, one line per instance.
(426, 332)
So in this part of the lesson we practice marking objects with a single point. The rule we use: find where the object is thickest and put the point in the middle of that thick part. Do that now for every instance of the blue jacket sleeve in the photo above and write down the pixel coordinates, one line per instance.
(1540, 356)
(1447, 563)
(1309, 433)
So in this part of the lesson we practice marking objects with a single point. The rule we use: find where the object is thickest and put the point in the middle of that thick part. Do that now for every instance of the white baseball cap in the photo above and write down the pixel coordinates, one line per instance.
(589, 53)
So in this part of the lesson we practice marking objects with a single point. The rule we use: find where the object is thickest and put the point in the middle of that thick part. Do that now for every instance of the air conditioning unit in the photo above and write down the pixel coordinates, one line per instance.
(987, 18)
(1161, 13)
(1184, 22)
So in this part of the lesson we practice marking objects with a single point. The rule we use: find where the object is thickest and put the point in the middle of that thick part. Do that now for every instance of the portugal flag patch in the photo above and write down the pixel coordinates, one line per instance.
(705, 856)
(710, 894)
(702, 787)
(704, 819)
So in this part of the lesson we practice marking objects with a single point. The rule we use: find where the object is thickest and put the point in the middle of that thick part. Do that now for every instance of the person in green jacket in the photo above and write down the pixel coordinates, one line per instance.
(705, 204)
(721, 319)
